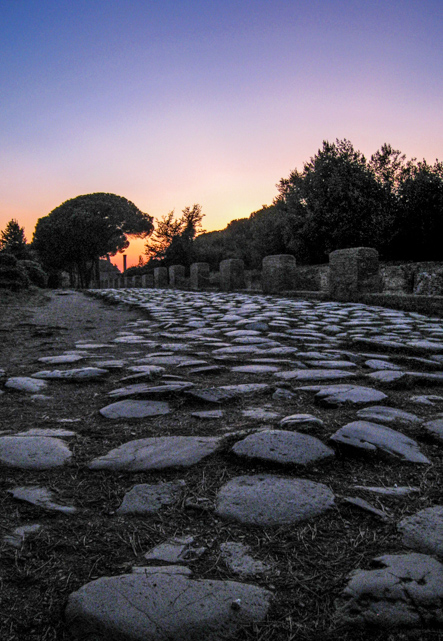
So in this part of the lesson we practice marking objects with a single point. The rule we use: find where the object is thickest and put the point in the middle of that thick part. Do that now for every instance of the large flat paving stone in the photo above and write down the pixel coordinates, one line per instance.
(25, 384)
(372, 437)
(404, 590)
(72, 375)
(163, 607)
(157, 453)
(335, 395)
(423, 531)
(41, 497)
(314, 374)
(135, 409)
(148, 499)
(33, 452)
(269, 500)
(388, 415)
(281, 446)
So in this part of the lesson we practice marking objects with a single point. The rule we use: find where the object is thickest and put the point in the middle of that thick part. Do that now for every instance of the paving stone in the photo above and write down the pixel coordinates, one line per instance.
(282, 394)
(435, 428)
(279, 446)
(72, 375)
(403, 590)
(378, 364)
(41, 497)
(387, 377)
(143, 390)
(157, 453)
(176, 550)
(148, 499)
(47, 431)
(423, 531)
(389, 491)
(372, 437)
(164, 607)
(17, 537)
(25, 384)
(366, 507)
(335, 395)
(301, 420)
(33, 452)
(209, 414)
(135, 409)
(227, 392)
(269, 500)
(60, 360)
(238, 559)
(260, 414)
(314, 374)
(388, 415)
(426, 399)
(172, 570)
(255, 369)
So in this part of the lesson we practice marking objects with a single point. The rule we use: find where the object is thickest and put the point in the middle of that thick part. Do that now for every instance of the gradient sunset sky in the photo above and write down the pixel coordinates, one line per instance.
(176, 102)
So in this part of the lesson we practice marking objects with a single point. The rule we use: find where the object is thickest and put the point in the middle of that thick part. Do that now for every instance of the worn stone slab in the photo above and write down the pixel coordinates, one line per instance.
(388, 377)
(176, 550)
(423, 531)
(269, 500)
(164, 607)
(389, 491)
(361, 504)
(227, 392)
(403, 590)
(238, 559)
(209, 414)
(260, 414)
(255, 369)
(25, 384)
(75, 375)
(17, 537)
(33, 452)
(148, 499)
(301, 420)
(41, 497)
(314, 374)
(435, 428)
(143, 390)
(388, 415)
(62, 359)
(335, 395)
(135, 409)
(157, 453)
(280, 446)
(372, 437)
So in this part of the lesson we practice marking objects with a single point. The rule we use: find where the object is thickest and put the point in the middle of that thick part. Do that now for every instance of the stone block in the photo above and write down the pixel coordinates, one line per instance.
(147, 280)
(354, 271)
(137, 281)
(161, 277)
(278, 273)
(199, 276)
(176, 276)
(232, 274)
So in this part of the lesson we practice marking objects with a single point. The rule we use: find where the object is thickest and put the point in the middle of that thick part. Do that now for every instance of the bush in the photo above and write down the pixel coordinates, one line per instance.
(7, 260)
(35, 273)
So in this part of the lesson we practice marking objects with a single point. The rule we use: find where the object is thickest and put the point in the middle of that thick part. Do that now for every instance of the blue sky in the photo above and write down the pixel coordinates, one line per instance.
(179, 102)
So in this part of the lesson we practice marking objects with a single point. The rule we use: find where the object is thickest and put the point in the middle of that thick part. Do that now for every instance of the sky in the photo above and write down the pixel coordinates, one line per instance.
(174, 102)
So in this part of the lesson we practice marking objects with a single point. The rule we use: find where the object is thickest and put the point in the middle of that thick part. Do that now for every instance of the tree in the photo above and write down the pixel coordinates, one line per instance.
(13, 241)
(336, 202)
(173, 239)
(81, 230)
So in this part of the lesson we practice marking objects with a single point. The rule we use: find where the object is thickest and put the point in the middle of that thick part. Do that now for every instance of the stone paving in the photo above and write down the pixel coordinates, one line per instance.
(280, 367)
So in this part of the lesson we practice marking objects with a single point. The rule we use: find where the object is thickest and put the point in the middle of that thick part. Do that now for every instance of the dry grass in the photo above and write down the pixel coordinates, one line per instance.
(310, 561)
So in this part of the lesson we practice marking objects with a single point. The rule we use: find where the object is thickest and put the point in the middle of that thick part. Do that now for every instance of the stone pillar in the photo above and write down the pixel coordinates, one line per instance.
(176, 276)
(160, 277)
(353, 271)
(232, 274)
(137, 281)
(148, 280)
(199, 275)
(278, 273)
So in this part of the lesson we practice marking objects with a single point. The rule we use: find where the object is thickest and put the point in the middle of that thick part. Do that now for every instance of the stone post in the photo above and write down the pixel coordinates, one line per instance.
(199, 276)
(353, 271)
(232, 274)
(137, 281)
(176, 276)
(278, 273)
(160, 277)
